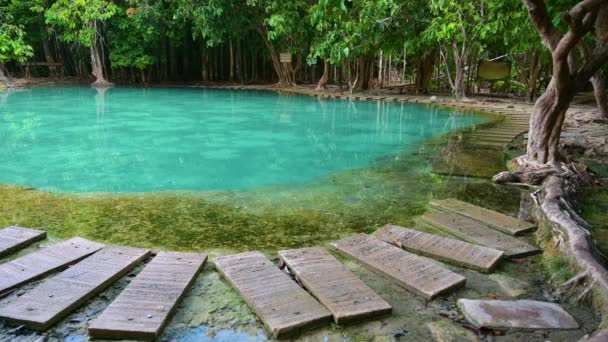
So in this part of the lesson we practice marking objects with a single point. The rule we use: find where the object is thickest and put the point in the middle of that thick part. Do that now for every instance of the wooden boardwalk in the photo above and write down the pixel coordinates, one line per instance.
(283, 306)
(45, 261)
(15, 238)
(347, 297)
(478, 233)
(452, 251)
(142, 309)
(421, 276)
(492, 219)
(56, 297)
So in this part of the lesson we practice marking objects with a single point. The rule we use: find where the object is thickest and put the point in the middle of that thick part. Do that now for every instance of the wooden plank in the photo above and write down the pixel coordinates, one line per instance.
(478, 233)
(141, 310)
(56, 297)
(347, 297)
(421, 276)
(15, 238)
(452, 251)
(498, 221)
(47, 260)
(283, 306)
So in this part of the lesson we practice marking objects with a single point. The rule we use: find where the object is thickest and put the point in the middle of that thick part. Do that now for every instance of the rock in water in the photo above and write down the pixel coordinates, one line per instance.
(516, 315)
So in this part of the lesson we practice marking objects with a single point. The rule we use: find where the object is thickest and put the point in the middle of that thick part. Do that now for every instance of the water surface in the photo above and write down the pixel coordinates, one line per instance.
(82, 139)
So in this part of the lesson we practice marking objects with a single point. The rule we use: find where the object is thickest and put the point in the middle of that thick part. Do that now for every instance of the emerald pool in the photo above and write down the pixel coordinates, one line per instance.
(82, 139)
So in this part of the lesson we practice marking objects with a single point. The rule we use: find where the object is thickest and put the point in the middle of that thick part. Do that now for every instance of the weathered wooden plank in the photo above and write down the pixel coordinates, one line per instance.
(15, 238)
(421, 276)
(141, 310)
(47, 260)
(478, 233)
(283, 306)
(56, 297)
(498, 221)
(452, 251)
(347, 297)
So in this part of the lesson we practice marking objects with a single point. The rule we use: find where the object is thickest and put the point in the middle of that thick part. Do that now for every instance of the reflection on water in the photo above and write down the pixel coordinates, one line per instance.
(81, 139)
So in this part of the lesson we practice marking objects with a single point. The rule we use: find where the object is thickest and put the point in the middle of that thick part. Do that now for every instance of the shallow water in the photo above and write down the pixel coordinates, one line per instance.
(79, 139)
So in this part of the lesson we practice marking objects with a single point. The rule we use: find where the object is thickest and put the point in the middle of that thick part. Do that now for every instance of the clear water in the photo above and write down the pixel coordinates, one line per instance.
(80, 139)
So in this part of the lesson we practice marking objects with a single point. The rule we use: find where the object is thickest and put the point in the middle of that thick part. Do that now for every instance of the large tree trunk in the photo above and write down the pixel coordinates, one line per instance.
(599, 88)
(550, 109)
(48, 55)
(282, 70)
(424, 72)
(322, 84)
(365, 69)
(96, 64)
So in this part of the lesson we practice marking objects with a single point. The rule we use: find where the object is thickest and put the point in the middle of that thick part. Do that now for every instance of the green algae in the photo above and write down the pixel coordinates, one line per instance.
(595, 211)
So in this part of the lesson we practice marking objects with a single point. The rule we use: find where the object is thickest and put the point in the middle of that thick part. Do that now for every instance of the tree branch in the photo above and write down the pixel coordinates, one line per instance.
(537, 11)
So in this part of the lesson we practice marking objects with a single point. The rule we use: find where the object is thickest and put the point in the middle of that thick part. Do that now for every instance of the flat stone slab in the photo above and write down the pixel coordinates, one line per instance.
(347, 297)
(418, 275)
(44, 261)
(448, 250)
(516, 315)
(478, 233)
(492, 219)
(143, 308)
(15, 238)
(284, 307)
(56, 297)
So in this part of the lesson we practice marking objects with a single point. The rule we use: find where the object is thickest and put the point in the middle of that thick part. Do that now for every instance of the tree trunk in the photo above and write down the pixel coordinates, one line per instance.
(599, 88)
(281, 69)
(48, 56)
(96, 64)
(534, 74)
(380, 70)
(5, 77)
(460, 63)
(365, 68)
(231, 71)
(322, 84)
(205, 64)
(424, 72)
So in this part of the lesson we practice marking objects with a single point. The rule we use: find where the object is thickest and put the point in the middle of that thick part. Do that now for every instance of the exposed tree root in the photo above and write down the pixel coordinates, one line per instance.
(557, 199)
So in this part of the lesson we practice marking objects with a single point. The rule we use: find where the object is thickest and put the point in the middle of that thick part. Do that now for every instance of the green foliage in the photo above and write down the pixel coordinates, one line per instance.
(12, 41)
(77, 20)
(134, 37)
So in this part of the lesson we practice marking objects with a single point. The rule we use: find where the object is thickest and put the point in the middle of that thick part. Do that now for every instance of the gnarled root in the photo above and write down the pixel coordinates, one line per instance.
(557, 200)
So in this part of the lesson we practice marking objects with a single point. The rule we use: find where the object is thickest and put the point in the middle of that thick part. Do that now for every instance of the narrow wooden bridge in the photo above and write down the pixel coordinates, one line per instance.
(324, 289)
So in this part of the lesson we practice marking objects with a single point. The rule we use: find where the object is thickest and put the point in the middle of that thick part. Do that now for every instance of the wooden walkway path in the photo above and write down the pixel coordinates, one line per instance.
(56, 297)
(45, 261)
(283, 306)
(421, 276)
(15, 238)
(452, 251)
(142, 309)
(478, 233)
(492, 219)
(347, 297)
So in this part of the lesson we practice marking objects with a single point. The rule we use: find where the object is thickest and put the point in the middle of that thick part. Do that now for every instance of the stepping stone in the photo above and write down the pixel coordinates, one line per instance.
(478, 233)
(15, 238)
(284, 307)
(45, 261)
(516, 315)
(418, 275)
(56, 297)
(347, 297)
(492, 219)
(142, 309)
(448, 250)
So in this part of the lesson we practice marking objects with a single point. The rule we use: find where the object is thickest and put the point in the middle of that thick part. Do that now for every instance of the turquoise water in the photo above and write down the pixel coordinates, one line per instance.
(80, 139)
